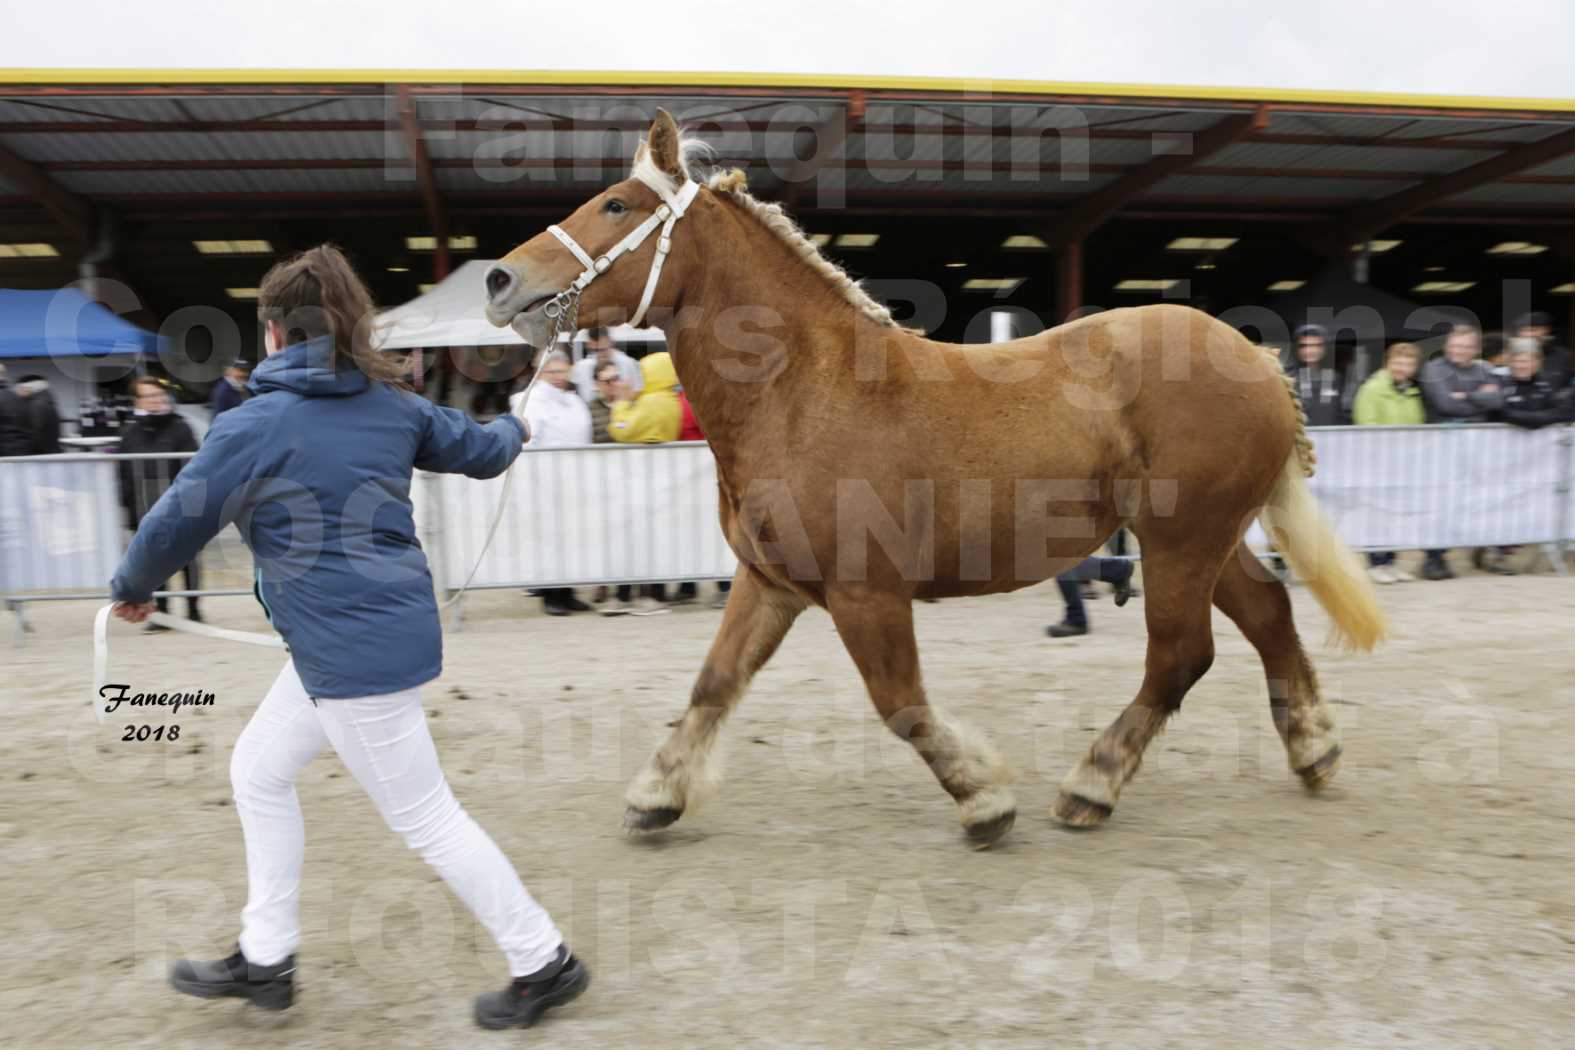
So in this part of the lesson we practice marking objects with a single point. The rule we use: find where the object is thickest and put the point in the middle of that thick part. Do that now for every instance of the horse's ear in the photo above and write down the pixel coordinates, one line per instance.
(663, 140)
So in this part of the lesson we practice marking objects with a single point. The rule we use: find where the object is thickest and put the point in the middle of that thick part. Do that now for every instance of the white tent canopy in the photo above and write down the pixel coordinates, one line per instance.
(452, 315)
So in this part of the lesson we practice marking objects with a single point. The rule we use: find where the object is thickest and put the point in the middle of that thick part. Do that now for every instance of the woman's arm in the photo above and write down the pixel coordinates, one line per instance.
(453, 443)
(189, 514)
(1488, 395)
(1435, 388)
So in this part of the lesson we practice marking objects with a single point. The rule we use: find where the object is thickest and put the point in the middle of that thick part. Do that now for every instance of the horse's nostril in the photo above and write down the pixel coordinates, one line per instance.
(498, 281)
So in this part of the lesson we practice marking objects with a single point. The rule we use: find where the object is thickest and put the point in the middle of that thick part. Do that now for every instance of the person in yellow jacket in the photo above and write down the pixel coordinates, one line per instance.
(652, 416)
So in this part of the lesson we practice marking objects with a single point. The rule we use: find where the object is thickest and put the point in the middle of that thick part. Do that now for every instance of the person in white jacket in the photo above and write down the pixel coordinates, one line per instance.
(557, 419)
(556, 414)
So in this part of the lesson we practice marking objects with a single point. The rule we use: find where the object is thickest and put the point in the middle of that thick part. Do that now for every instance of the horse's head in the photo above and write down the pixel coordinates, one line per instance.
(602, 258)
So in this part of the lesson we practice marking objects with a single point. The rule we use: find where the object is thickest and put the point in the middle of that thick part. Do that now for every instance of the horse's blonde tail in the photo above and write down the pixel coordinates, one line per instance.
(1301, 532)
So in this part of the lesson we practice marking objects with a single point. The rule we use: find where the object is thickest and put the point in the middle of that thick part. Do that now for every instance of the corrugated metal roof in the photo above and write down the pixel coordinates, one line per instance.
(1515, 193)
(333, 180)
(291, 108)
(1400, 127)
(1252, 187)
(1564, 166)
(765, 134)
(87, 110)
(169, 147)
(589, 180)
(1348, 158)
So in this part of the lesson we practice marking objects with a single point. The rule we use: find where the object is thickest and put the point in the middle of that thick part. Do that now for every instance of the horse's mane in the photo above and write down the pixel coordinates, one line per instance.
(772, 217)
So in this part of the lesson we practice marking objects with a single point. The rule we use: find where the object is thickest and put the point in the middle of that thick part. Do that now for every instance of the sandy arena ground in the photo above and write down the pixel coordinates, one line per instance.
(826, 897)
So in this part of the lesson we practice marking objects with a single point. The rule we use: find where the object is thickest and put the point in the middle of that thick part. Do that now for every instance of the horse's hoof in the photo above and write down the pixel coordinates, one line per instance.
(649, 819)
(1075, 811)
(987, 833)
(1317, 776)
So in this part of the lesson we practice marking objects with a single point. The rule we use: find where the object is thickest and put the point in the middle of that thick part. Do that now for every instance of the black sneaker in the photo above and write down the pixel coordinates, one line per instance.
(1066, 630)
(1124, 589)
(270, 987)
(522, 1003)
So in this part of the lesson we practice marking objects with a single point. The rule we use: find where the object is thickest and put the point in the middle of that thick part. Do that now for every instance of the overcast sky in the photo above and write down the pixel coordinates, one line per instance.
(1516, 48)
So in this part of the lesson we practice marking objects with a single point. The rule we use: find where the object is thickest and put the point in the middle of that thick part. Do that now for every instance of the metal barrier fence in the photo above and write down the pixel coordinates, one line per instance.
(64, 523)
(1443, 486)
(585, 515)
(648, 513)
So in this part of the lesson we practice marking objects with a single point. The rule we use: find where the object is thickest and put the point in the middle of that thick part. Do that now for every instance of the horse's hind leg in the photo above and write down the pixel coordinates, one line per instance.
(757, 618)
(1177, 584)
(1262, 609)
(877, 629)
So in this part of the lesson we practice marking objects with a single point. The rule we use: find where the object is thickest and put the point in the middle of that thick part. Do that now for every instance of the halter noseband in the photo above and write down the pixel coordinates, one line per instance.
(671, 210)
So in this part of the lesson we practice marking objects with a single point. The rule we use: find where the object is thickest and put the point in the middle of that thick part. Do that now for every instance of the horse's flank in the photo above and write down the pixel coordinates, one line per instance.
(802, 392)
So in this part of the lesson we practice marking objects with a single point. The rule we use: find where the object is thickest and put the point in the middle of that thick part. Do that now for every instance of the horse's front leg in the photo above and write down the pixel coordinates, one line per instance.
(757, 618)
(877, 628)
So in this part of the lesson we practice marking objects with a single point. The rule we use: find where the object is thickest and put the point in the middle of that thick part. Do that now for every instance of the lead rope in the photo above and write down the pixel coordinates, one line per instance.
(101, 645)
(565, 313)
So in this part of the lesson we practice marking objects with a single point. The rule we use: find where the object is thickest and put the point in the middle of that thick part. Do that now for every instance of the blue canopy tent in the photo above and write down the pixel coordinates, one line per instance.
(70, 340)
(66, 323)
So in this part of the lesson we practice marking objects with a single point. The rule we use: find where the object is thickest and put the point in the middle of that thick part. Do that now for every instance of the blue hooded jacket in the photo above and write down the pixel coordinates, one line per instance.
(316, 473)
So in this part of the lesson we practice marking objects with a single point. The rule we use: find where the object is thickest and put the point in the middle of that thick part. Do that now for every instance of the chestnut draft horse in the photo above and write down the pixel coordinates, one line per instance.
(976, 469)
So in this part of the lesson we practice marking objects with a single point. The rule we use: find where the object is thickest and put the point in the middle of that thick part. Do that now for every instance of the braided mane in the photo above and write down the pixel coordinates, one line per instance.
(772, 217)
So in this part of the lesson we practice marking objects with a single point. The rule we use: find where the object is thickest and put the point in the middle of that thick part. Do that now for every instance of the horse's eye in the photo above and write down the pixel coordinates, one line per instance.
(615, 207)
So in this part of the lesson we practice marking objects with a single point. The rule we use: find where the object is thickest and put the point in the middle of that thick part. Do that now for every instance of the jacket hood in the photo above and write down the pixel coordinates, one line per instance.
(658, 373)
(310, 370)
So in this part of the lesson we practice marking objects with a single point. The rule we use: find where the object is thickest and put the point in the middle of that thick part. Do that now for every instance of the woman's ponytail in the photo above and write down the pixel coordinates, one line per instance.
(318, 293)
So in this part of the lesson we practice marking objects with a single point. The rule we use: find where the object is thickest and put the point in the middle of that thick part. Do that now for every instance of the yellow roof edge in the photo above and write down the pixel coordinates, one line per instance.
(675, 79)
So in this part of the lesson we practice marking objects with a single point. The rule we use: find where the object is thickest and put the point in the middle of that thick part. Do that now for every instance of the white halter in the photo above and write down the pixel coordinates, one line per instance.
(665, 216)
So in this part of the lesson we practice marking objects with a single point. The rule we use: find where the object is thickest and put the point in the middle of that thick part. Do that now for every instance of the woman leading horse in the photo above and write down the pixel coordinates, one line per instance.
(974, 469)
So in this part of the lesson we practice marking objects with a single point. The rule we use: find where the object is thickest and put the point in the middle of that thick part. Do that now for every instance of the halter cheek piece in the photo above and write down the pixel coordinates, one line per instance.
(565, 304)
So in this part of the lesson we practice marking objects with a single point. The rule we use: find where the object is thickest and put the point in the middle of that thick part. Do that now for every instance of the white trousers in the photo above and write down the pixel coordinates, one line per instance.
(384, 742)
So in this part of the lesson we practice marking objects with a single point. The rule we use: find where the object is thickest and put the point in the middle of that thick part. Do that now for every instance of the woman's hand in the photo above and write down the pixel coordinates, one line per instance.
(133, 612)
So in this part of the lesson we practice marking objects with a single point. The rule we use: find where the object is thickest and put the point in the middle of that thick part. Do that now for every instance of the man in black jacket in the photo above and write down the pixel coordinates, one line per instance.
(155, 429)
(1319, 386)
(1557, 367)
(15, 437)
(1531, 398)
(230, 390)
(42, 418)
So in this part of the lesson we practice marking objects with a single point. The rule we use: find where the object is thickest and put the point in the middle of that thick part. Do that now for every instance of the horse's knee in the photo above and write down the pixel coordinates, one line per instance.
(1176, 667)
(715, 687)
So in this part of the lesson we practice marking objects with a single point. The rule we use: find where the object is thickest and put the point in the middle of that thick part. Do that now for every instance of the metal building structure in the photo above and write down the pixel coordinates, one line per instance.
(184, 185)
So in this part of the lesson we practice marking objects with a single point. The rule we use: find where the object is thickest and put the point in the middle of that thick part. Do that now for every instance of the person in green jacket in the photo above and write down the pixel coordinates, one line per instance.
(1391, 396)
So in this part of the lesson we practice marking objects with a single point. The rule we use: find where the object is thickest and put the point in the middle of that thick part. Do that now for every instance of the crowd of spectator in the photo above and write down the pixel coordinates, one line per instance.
(609, 397)
(1525, 380)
